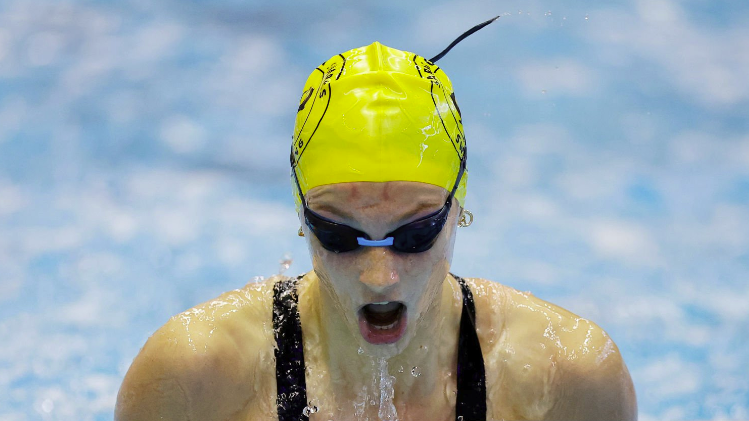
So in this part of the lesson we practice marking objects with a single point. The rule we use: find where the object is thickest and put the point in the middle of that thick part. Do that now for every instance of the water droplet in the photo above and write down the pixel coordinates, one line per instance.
(309, 410)
(586, 17)
(360, 351)
(543, 91)
(548, 13)
(415, 372)
(285, 263)
(360, 403)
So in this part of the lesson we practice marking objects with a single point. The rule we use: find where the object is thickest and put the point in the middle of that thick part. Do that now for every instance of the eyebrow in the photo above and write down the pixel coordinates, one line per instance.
(331, 209)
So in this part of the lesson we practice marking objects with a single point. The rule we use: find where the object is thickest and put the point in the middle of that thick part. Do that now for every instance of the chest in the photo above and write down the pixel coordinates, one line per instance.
(397, 393)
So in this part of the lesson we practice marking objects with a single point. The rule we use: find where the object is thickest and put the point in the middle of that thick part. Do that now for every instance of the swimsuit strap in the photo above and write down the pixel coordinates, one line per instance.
(470, 403)
(291, 387)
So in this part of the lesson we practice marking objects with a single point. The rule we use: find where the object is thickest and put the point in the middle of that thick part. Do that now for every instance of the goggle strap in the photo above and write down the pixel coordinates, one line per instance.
(457, 181)
(299, 187)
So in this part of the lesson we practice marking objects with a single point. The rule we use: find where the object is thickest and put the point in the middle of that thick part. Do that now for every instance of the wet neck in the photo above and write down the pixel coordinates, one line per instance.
(422, 368)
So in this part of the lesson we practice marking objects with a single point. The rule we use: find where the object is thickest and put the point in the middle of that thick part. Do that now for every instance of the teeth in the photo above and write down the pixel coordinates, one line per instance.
(390, 326)
(382, 303)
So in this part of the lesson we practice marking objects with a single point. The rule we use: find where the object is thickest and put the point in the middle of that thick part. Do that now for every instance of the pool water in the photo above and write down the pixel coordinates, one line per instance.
(144, 169)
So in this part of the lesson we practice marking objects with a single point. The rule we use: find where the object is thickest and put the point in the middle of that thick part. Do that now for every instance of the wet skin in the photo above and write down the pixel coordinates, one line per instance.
(215, 361)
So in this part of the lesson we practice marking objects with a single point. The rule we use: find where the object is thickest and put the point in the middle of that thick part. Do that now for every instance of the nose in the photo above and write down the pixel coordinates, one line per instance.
(379, 270)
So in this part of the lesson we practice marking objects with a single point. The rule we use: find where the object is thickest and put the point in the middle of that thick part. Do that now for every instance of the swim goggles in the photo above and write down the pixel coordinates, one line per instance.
(414, 237)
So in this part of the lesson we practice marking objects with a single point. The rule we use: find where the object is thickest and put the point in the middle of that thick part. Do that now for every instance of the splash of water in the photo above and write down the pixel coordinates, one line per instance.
(379, 394)
(387, 410)
(360, 404)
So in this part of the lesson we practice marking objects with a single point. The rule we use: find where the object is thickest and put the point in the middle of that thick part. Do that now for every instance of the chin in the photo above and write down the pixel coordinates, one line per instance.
(391, 339)
(386, 351)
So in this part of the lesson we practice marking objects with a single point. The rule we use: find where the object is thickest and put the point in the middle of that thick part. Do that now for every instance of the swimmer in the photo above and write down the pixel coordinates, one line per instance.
(379, 329)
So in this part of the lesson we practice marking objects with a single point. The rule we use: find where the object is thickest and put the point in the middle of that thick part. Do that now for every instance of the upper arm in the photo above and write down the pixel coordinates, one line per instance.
(154, 387)
(209, 363)
(552, 364)
(596, 386)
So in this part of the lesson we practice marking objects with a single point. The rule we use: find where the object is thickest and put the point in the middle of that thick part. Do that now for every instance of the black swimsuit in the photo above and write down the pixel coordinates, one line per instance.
(291, 385)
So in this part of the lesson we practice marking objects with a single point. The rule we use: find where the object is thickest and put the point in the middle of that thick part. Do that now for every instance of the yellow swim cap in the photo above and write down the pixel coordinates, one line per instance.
(378, 114)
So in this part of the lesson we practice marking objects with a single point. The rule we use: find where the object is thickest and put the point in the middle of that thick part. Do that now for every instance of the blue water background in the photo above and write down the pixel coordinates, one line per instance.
(144, 169)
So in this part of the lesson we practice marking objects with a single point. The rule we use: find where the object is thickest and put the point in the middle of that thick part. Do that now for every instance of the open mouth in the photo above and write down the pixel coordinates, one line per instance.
(382, 323)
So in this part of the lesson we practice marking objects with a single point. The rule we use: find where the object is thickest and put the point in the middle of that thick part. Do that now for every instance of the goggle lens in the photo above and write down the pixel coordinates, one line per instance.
(415, 237)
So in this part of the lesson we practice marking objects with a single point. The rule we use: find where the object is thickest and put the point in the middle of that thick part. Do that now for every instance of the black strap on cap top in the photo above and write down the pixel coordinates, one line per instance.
(291, 385)
(463, 36)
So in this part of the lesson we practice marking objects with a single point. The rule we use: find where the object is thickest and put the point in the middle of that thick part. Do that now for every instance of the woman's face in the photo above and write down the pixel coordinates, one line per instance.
(382, 295)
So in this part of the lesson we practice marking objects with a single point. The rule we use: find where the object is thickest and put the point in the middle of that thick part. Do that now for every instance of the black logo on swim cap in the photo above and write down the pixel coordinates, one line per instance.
(307, 95)
(460, 115)
(314, 111)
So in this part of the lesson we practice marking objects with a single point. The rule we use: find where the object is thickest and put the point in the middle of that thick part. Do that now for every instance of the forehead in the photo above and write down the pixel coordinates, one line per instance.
(393, 196)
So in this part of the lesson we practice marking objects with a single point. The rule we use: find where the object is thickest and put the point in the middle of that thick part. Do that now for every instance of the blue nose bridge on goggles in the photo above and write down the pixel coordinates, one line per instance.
(387, 242)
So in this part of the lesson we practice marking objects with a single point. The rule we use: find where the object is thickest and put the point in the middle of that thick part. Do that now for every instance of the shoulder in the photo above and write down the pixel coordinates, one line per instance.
(560, 365)
(205, 363)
